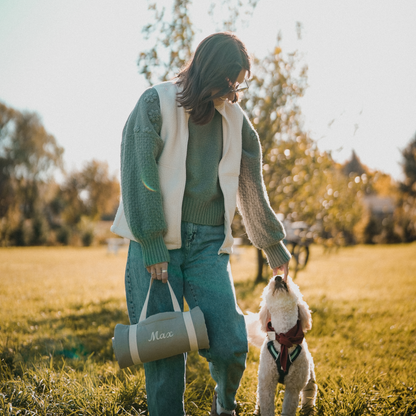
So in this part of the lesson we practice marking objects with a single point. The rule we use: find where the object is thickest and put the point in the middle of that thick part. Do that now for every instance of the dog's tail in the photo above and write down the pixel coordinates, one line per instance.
(254, 333)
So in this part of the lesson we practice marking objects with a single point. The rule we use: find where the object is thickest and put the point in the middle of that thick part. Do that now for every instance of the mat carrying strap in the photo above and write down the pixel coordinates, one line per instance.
(190, 329)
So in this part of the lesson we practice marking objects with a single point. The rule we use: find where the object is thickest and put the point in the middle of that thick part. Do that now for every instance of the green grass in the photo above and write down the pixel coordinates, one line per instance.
(59, 306)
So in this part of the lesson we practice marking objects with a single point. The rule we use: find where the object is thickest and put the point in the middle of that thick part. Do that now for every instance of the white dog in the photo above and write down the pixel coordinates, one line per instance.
(278, 330)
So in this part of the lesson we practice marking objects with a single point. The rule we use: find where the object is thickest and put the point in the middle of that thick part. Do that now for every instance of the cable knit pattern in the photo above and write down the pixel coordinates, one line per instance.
(142, 199)
(263, 228)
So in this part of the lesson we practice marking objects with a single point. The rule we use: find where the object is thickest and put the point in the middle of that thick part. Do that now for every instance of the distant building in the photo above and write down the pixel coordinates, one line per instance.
(354, 166)
(379, 206)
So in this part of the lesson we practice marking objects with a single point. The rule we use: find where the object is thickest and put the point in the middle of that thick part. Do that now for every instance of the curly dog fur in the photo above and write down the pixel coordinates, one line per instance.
(283, 305)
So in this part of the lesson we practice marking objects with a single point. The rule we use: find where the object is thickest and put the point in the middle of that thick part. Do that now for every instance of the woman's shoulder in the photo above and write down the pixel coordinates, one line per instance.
(167, 90)
(149, 96)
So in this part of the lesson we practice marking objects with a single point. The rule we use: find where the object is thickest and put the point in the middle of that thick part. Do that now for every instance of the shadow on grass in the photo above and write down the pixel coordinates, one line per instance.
(84, 330)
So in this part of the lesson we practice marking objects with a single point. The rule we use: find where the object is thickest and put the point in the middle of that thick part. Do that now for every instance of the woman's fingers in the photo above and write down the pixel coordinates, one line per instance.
(159, 271)
(283, 268)
(152, 271)
(285, 271)
(165, 273)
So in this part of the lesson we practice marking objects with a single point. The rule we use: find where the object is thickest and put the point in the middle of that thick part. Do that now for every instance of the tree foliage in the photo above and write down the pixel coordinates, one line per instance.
(302, 182)
(90, 192)
(408, 186)
(407, 204)
(172, 40)
(172, 35)
(231, 13)
(28, 157)
(34, 209)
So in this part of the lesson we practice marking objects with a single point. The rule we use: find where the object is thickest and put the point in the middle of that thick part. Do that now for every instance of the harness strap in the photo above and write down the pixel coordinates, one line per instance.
(290, 359)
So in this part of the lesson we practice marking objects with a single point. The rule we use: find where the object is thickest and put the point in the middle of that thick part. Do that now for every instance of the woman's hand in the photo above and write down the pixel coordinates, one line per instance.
(159, 271)
(283, 268)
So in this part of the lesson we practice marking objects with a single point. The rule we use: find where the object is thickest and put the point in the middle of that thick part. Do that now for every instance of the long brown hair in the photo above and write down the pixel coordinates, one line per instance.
(215, 65)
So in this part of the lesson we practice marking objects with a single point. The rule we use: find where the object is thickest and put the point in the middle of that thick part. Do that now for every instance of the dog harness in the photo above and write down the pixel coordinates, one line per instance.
(283, 359)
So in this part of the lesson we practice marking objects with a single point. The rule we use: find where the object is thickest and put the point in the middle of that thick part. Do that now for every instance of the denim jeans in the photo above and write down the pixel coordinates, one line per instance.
(201, 276)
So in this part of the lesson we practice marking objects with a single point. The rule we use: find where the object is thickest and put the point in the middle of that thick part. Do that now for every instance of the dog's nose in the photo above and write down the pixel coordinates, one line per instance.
(278, 278)
(279, 283)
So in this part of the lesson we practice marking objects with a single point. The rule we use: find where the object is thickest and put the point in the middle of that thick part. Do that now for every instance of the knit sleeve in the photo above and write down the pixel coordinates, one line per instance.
(142, 200)
(263, 228)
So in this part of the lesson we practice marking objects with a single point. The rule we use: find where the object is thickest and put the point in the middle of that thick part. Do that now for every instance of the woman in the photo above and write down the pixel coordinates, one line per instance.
(188, 155)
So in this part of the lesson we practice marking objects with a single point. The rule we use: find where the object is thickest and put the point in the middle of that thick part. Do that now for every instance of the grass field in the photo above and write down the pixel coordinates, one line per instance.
(59, 306)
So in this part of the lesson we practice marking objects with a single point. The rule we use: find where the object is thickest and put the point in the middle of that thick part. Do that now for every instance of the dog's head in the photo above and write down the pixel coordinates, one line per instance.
(280, 296)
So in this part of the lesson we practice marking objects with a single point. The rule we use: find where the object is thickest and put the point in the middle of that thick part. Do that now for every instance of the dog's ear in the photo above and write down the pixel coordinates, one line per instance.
(264, 316)
(305, 315)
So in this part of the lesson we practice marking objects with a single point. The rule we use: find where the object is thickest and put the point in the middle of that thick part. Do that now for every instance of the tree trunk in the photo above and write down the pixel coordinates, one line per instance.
(260, 264)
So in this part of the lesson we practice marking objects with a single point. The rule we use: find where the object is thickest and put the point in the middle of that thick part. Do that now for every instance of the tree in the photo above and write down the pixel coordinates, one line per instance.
(7, 191)
(172, 35)
(28, 157)
(271, 104)
(231, 13)
(407, 202)
(91, 192)
(86, 196)
(301, 181)
(100, 189)
(272, 71)
(409, 168)
(172, 42)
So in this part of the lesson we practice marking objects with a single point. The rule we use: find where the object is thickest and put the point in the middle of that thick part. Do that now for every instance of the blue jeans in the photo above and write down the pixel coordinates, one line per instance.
(203, 277)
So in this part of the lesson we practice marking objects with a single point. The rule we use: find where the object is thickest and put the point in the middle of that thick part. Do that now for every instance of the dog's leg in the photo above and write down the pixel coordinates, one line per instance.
(290, 402)
(309, 394)
(266, 388)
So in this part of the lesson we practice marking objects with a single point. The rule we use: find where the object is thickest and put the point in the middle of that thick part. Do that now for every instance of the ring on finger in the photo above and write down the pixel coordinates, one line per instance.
(164, 271)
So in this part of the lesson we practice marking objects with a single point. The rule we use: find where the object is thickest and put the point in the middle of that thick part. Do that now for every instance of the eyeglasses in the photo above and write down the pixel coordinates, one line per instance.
(235, 90)
(240, 89)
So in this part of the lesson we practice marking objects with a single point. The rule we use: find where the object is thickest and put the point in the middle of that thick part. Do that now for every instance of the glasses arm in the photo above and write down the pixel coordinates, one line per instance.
(241, 88)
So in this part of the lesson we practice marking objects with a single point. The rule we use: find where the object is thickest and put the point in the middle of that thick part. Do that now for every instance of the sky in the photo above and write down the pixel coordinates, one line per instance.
(75, 64)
